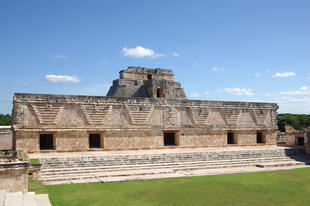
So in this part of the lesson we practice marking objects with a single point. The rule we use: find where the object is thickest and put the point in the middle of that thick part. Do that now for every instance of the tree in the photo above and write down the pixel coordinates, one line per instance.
(5, 119)
(298, 121)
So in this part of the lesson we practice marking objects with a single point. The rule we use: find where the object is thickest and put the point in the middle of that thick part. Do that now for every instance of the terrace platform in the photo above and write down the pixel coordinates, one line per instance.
(130, 165)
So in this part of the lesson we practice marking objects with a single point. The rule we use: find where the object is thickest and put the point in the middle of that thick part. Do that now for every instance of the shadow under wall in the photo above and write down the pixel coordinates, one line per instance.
(298, 153)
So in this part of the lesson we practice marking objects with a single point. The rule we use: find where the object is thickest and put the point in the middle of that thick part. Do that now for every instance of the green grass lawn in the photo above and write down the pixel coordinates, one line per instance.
(286, 187)
(34, 161)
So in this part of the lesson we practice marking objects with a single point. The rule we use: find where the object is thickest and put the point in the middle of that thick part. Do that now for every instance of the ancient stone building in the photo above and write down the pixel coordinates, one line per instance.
(295, 137)
(144, 109)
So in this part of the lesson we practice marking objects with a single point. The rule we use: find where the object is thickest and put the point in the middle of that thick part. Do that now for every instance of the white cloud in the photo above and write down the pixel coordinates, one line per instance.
(237, 91)
(62, 78)
(289, 104)
(140, 52)
(207, 93)
(219, 69)
(258, 74)
(267, 94)
(284, 74)
(194, 95)
(60, 56)
(304, 90)
(175, 54)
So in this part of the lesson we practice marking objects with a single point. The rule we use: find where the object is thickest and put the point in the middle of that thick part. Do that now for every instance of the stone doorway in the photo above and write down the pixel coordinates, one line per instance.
(159, 93)
(94, 141)
(260, 139)
(230, 138)
(300, 141)
(46, 142)
(169, 138)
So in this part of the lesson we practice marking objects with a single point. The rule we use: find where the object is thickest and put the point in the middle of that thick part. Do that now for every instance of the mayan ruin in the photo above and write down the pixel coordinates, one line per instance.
(154, 103)
(144, 109)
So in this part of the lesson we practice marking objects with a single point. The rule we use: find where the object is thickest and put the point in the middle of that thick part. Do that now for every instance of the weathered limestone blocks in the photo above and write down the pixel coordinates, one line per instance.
(146, 82)
(194, 123)
(5, 138)
(13, 172)
(14, 179)
(107, 112)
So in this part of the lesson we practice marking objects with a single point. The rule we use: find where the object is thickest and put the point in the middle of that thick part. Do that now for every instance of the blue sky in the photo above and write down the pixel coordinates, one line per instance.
(238, 50)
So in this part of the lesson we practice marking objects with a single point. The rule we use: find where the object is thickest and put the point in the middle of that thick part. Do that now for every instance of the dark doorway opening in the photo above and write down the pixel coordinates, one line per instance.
(94, 141)
(46, 142)
(230, 138)
(149, 76)
(158, 93)
(259, 138)
(300, 141)
(169, 139)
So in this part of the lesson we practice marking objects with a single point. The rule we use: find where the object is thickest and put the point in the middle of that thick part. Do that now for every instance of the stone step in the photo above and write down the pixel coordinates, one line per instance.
(43, 200)
(2, 197)
(180, 156)
(148, 171)
(201, 172)
(106, 174)
(29, 199)
(105, 168)
(46, 172)
(282, 164)
(13, 199)
(164, 158)
(20, 199)
(103, 164)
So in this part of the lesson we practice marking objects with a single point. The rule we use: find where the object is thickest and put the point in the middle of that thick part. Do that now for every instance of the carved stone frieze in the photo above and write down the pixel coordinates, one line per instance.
(96, 113)
(139, 114)
(47, 113)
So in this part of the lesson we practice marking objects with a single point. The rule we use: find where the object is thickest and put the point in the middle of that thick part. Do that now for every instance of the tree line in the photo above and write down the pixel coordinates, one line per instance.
(298, 121)
(5, 119)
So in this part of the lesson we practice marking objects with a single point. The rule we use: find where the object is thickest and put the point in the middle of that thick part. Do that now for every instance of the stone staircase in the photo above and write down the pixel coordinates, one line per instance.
(20, 199)
(112, 168)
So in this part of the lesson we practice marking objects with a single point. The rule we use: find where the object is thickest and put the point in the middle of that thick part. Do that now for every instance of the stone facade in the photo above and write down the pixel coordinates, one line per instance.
(161, 117)
(13, 172)
(5, 138)
(294, 137)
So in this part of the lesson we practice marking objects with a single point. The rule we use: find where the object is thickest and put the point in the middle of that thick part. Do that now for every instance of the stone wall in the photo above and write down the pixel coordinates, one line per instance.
(5, 138)
(291, 134)
(14, 179)
(137, 123)
(13, 172)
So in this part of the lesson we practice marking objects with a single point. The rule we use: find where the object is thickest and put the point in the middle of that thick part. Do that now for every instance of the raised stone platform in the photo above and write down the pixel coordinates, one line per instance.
(20, 199)
(13, 172)
(83, 167)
